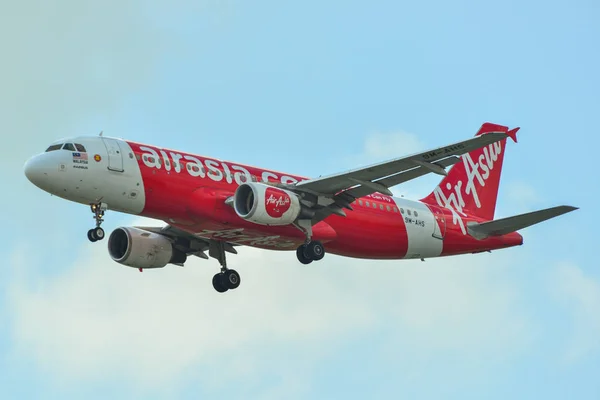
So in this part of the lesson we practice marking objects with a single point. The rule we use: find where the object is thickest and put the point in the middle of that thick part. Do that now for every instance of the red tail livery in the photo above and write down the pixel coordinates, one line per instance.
(471, 187)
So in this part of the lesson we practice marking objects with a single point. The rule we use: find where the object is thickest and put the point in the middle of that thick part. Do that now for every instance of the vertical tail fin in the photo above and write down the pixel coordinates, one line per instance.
(471, 186)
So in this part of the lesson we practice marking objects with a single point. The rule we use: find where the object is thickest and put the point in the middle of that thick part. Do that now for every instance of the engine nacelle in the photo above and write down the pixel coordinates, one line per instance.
(266, 205)
(142, 249)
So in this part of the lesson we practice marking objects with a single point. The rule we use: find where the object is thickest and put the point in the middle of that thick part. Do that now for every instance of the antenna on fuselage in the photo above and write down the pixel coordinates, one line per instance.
(101, 132)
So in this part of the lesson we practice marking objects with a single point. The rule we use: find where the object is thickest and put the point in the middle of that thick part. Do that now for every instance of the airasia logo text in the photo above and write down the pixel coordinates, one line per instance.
(201, 167)
(477, 174)
(277, 202)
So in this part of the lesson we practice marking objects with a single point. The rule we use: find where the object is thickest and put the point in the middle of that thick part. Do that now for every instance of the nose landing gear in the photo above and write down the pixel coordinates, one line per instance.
(97, 233)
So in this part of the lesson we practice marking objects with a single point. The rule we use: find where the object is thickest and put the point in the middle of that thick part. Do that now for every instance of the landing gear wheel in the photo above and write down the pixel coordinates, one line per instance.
(231, 279)
(301, 254)
(91, 236)
(227, 278)
(219, 284)
(98, 233)
(315, 251)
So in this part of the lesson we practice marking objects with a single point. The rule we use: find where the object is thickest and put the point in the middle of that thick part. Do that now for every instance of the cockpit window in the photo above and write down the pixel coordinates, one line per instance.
(69, 146)
(54, 147)
(80, 147)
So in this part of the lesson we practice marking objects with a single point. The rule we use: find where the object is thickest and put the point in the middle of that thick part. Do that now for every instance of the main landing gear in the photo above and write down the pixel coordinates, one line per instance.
(227, 278)
(311, 251)
(97, 233)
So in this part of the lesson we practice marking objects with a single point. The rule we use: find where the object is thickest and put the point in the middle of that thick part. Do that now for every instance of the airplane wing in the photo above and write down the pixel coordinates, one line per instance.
(330, 194)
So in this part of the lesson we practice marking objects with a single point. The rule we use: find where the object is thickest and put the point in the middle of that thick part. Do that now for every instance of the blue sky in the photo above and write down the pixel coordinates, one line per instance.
(309, 89)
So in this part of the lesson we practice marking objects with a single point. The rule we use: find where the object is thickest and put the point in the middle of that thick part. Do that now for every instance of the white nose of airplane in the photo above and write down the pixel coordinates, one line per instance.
(36, 171)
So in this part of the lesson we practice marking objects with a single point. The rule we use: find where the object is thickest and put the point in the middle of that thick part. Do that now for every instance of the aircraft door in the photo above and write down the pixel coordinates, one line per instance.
(115, 155)
(439, 226)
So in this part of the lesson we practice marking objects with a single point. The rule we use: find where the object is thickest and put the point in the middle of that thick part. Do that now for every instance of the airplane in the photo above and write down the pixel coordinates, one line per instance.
(214, 206)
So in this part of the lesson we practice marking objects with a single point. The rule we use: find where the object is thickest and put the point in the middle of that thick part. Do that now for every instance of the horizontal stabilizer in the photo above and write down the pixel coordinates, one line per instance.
(508, 225)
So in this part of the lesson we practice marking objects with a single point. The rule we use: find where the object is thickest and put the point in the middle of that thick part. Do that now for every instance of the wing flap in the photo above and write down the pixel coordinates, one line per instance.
(508, 225)
(399, 178)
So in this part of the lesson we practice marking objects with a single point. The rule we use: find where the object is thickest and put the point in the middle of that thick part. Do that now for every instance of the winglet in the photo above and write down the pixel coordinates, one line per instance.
(489, 127)
(513, 134)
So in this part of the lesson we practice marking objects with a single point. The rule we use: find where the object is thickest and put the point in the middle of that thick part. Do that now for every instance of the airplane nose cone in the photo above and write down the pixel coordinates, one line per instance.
(35, 171)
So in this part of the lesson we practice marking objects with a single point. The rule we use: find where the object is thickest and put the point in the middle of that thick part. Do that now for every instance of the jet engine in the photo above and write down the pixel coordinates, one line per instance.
(266, 205)
(138, 248)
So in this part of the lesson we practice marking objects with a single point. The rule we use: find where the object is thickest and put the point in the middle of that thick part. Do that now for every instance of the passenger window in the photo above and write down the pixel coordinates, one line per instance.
(381, 207)
(368, 204)
(80, 147)
(54, 147)
(69, 146)
(402, 210)
(395, 209)
(389, 208)
(416, 215)
(360, 202)
(409, 213)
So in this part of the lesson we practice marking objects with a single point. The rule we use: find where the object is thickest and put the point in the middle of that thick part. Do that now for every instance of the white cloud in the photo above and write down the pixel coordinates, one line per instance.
(100, 321)
(100, 318)
(382, 146)
(580, 293)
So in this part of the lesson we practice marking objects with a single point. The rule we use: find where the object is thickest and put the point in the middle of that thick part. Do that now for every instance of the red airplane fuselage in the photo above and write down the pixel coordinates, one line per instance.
(190, 191)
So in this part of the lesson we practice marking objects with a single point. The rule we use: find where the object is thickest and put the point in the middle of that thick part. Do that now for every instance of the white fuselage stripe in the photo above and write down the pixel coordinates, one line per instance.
(420, 226)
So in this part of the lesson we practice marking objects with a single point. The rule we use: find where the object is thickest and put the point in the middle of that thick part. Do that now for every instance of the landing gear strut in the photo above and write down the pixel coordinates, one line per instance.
(227, 278)
(97, 233)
